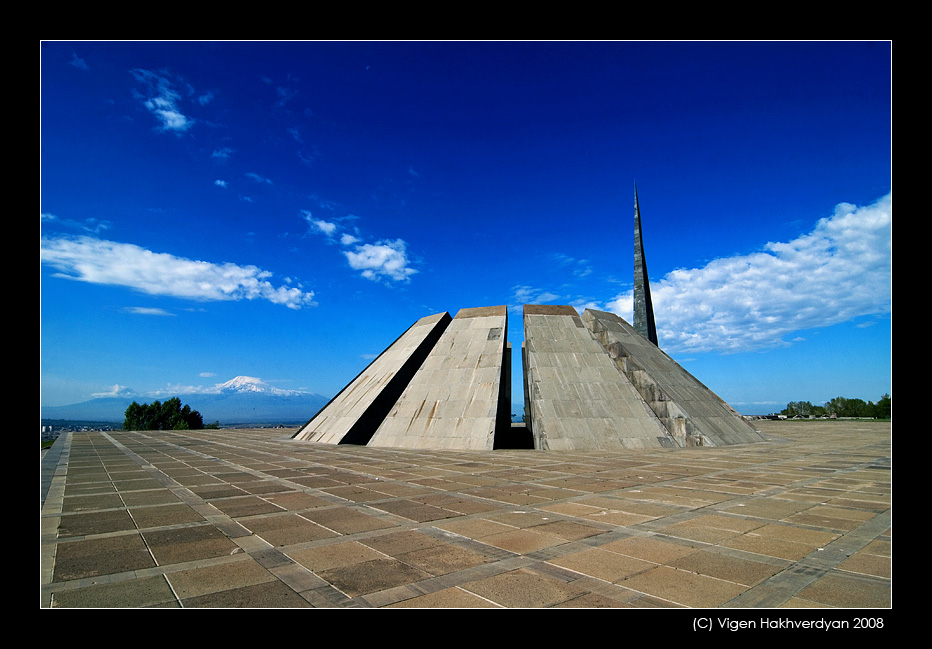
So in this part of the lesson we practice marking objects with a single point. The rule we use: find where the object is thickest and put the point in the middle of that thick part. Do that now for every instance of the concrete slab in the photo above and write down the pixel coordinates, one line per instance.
(575, 398)
(460, 397)
(353, 416)
(691, 413)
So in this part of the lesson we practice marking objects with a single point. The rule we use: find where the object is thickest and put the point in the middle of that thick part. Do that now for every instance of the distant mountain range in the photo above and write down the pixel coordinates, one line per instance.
(243, 400)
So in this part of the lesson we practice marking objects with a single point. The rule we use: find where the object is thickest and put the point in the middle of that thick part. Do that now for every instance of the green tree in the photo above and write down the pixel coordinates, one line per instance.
(170, 415)
(883, 408)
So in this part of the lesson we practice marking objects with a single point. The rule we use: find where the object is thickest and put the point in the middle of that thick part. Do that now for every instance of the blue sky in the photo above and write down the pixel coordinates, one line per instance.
(285, 210)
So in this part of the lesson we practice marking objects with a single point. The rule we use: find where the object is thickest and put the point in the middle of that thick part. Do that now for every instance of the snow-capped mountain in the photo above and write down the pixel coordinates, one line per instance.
(252, 384)
(242, 400)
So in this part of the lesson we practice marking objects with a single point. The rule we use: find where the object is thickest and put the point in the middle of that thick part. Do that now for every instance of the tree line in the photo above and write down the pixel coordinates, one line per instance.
(168, 415)
(841, 407)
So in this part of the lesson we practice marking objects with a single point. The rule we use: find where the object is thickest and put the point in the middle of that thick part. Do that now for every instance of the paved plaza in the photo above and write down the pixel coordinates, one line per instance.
(250, 518)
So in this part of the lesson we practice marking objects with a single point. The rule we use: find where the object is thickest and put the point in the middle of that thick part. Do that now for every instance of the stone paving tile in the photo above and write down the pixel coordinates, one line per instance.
(651, 548)
(89, 523)
(297, 500)
(101, 556)
(446, 598)
(164, 515)
(602, 564)
(287, 529)
(182, 544)
(522, 541)
(149, 592)
(729, 568)
(216, 578)
(336, 555)
(346, 520)
(247, 518)
(372, 576)
(245, 506)
(273, 594)
(683, 587)
(523, 589)
(846, 591)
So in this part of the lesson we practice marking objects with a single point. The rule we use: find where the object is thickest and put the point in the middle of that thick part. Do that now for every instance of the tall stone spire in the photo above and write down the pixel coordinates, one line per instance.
(643, 308)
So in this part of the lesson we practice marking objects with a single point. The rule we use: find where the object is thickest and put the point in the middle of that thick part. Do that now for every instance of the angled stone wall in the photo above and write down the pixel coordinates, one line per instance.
(691, 412)
(353, 415)
(458, 399)
(590, 383)
(576, 399)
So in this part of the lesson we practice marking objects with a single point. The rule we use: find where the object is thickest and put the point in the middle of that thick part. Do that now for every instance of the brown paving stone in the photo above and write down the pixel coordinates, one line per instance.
(592, 600)
(443, 559)
(273, 594)
(346, 520)
(473, 528)
(85, 524)
(771, 508)
(769, 546)
(372, 576)
(164, 515)
(650, 549)
(245, 506)
(212, 491)
(523, 589)
(684, 588)
(397, 543)
(720, 566)
(101, 556)
(867, 564)
(91, 502)
(297, 500)
(415, 511)
(336, 555)
(845, 591)
(151, 497)
(132, 593)
(182, 544)
(212, 579)
(287, 529)
(695, 532)
(522, 541)
(446, 598)
(568, 530)
(601, 564)
(89, 488)
(264, 487)
(355, 493)
(457, 504)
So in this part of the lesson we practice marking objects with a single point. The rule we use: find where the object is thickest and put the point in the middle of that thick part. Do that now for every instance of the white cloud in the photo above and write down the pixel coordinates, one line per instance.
(578, 267)
(162, 99)
(116, 391)
(220, 183)
(259, 179)
(386, 259)
(222, 153)
(97, 261)
(839, 271)
(324, 226)
(529, 295)
(141, 310)
(78, 62)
